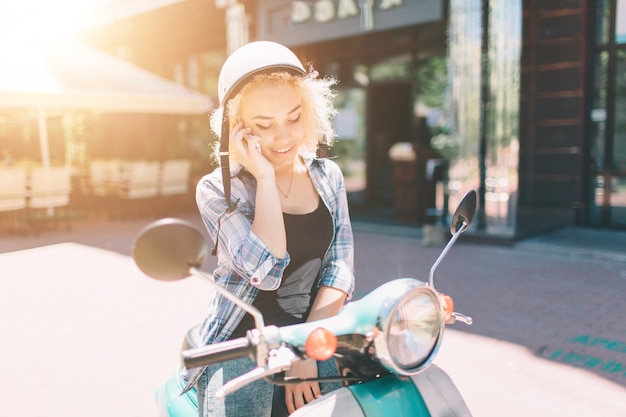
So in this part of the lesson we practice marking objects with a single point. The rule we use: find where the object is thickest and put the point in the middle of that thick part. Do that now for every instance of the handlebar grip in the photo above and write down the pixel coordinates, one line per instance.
(218, 352)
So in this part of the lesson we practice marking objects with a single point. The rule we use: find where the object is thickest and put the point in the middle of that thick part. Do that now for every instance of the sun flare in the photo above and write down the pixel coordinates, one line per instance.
(45, 18)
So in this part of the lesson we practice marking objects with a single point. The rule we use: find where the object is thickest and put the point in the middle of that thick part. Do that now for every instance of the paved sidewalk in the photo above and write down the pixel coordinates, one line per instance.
(86, 333)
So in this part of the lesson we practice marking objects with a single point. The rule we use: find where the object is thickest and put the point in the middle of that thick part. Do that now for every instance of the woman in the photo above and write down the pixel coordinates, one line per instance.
(279, 217)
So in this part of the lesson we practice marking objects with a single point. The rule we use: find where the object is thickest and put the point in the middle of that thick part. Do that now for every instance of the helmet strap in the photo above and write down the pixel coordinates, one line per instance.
(225, 158)
(225, 164)
(323, 150)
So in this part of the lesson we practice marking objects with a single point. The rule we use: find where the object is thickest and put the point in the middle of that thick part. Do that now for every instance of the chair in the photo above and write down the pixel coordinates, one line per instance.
(101, 183)
(140, 184)
(174, 178)
(142, 180)
(12, 192)
(173, 183)
(50, 189)
(100, 174)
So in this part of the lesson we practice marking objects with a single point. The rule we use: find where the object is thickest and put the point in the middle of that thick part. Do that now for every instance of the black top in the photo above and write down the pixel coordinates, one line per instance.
(308, 238)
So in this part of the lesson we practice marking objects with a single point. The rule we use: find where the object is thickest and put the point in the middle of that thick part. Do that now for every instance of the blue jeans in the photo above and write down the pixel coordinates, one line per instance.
(254, 399)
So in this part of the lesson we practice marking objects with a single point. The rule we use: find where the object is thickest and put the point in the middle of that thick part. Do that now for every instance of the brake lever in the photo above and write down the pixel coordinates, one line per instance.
(279, 360)
(462, 318)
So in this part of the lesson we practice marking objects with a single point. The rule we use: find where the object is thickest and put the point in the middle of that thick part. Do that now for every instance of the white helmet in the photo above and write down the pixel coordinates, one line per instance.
(251, 59)
(247, 61)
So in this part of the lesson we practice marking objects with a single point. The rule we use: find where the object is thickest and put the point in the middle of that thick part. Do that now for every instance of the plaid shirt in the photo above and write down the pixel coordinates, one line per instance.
(245, 264)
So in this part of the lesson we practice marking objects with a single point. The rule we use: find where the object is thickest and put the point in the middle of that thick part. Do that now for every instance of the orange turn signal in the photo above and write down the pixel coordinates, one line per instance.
(321, 344)
(448, 306)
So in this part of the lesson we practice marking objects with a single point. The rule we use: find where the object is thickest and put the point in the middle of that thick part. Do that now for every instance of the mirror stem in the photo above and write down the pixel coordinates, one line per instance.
(259, 323)
(431, 276)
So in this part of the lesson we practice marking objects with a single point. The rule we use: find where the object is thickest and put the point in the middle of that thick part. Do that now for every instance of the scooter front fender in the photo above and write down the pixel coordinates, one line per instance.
(338, 403)
(440, 394)
(390, 396)
(431, 393)
(387, 396)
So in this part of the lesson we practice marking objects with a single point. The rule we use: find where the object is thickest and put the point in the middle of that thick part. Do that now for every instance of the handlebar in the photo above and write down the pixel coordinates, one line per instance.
(218, 352)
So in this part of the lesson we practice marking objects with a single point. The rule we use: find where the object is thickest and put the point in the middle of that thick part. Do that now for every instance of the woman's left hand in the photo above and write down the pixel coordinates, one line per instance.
(297, 395)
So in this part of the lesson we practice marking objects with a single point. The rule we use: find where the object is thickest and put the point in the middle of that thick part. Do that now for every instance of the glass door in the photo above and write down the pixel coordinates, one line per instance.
(349, 147)
(607, 200)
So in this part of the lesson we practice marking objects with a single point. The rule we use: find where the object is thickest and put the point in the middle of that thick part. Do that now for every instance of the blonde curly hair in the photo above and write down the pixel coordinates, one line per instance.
(317, 104)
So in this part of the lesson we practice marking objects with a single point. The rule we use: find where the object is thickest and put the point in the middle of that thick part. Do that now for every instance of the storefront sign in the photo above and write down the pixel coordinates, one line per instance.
(328, 10)
(300, 22)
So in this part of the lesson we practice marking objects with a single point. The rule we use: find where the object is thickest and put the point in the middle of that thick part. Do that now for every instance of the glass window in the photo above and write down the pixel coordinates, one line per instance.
(618, 201)
(501, 162)
(349, 146)
(620, 21)
(607, 184)
(598, 111)
(603, 15)
(596, 199)
(619, 136)
(396, 68)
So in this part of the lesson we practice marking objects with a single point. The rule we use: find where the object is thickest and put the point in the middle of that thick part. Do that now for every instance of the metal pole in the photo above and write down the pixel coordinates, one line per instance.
(237, 31)
(485, 104)
(43, 137)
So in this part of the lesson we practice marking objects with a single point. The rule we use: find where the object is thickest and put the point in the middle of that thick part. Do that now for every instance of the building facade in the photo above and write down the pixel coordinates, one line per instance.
(521, 98)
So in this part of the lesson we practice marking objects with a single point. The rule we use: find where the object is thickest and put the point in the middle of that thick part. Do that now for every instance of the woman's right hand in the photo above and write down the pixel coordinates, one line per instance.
(268, 223)
(249, 153)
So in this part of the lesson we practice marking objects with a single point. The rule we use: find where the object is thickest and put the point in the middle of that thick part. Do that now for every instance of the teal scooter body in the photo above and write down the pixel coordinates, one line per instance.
(170, 402)
(390, 396)
(429, 394)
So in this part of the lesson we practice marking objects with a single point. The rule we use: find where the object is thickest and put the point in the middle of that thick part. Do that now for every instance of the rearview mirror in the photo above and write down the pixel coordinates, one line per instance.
(464, 213)
(166, 249)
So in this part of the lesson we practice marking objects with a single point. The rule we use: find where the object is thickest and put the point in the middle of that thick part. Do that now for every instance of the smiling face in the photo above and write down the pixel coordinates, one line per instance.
(274, 111)
(274, 97)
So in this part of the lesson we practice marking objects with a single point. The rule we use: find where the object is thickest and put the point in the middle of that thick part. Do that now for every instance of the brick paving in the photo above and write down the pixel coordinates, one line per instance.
(86, 333)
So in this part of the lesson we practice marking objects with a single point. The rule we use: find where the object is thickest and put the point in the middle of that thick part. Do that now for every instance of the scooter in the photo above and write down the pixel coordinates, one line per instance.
(384, 344)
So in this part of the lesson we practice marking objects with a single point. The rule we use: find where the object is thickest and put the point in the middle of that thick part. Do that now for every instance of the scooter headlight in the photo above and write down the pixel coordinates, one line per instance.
(411, 331)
